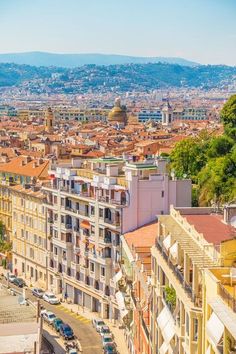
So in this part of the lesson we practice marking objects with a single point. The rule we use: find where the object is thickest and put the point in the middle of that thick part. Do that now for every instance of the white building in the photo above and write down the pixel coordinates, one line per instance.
(90, 204)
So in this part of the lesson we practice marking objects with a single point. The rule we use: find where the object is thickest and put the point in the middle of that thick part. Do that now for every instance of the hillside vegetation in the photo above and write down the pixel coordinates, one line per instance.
(122, 78)
(210, 161)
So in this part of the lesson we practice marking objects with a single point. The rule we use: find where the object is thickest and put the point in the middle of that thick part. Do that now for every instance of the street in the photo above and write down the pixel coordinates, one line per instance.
(89, 339)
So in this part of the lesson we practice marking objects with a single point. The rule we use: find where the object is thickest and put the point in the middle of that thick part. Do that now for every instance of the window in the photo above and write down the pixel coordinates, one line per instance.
(103, 271)
(100, 213)
(100, 232)
(92, 267)
(162, 194)
(195, 329)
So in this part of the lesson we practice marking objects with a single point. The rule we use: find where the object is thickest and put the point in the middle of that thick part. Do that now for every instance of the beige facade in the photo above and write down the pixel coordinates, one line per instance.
(185, 247)
(29, 235)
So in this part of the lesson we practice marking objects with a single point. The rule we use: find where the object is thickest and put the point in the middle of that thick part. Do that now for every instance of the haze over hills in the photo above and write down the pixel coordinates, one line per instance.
(74, 60)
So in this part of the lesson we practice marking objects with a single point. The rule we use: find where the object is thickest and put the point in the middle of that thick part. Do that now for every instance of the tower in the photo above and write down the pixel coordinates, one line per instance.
(167, 114)
(49, 120)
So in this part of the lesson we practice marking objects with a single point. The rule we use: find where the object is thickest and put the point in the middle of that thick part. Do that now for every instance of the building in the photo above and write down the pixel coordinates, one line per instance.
(135, 286)
(20, 328)
(118, 113)
(90, 203)
(49, 120)
(154, 115)
(189, 241)
(29, 235)
(167, 114)
(195, 114)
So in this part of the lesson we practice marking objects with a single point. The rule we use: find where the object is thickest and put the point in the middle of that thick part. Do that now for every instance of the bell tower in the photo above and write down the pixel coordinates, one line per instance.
(167, 114)
(49, 120)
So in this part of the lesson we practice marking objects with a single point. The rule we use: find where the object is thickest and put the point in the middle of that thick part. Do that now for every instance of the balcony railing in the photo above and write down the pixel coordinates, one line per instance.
(227, 297)
(178, 274)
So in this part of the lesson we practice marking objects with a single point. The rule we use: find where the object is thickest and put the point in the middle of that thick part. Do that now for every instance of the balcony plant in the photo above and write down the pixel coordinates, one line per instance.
(170, 296)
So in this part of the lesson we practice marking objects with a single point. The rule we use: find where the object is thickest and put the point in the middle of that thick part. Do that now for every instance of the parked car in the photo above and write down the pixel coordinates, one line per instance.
(57, 322)
(105, 330)
(49, 317)
(66, 331)
(110, 348)
(37, 292)
(51, 298)
(10, 276)
(98, 324)
(107, 339)
(19, 282)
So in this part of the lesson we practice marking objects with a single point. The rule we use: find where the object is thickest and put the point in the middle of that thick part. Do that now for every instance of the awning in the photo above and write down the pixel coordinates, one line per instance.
(121, 304)
(164, 348)
(91, 246)
(166, 242)
(215, 329)
(166, 324)
(174, 250)
(117, 276)
(85, 224)
(85, 241)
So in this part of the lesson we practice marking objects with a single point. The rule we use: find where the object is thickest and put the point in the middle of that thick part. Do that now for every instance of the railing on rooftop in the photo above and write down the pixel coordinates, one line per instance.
(227, 297)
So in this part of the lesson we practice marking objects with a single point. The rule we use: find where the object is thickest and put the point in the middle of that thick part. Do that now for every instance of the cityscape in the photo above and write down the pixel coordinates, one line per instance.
(118, 177)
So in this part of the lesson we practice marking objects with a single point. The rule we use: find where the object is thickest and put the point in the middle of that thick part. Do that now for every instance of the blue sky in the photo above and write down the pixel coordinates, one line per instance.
(199, 30)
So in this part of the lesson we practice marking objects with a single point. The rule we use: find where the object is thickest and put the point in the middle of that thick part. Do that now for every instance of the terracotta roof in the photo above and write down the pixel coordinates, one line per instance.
(212, 227)
(142, 237)
(28, 169)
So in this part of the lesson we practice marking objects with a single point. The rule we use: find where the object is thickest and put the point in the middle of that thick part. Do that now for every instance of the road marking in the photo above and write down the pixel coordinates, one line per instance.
(74, 314)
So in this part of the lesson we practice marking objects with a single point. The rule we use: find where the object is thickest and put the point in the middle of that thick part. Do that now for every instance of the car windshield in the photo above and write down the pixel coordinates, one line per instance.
(100, 323)
(51, 315)
(52, 296)
(39, 290)
(68, 331)
(58, 321)
(108, 339)
(105, 330)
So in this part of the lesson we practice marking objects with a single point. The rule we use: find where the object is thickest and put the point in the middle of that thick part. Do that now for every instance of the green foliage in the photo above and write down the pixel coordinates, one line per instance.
(170, 296)
(189, 157)
(228, 113)
(220, 146)
(210, 162)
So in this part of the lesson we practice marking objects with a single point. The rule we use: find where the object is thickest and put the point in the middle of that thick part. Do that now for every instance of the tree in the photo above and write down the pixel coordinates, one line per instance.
(188, 157)
(228, 113)
(220, 146)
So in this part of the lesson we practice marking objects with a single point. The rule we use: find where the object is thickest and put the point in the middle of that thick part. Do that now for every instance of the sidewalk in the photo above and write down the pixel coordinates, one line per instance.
(117, 332)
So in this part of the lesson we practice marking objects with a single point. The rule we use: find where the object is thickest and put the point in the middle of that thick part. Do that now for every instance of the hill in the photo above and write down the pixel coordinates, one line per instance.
(117, 78)
(74, 60)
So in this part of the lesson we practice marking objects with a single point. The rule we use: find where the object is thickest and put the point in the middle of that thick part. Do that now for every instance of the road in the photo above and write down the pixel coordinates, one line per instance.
(89, 339)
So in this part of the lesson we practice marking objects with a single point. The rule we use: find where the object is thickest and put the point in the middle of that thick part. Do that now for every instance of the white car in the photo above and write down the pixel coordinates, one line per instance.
(10, 276)
(105, 330)
(51, 298)
(107, 340)
(98, 324)
(49, 317)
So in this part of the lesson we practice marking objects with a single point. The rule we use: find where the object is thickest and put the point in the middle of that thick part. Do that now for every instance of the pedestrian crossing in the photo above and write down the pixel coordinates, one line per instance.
(73, 314)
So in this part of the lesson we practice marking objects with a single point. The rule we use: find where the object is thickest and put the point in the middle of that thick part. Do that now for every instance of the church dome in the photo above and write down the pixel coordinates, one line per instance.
(118, 113)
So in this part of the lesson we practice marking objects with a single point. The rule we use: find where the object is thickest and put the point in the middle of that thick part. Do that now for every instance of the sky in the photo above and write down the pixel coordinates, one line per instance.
(200, 30)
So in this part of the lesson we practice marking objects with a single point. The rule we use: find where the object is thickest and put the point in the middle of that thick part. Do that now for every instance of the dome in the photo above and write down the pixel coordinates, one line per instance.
(117, 113)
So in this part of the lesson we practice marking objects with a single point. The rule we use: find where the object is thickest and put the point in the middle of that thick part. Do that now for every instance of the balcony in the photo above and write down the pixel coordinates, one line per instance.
(227, 297)
(178, 273)
(75, 266)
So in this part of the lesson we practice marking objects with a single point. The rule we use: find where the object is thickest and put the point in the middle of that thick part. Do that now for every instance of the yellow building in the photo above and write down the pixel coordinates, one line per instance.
(6, 210)
(189, 240)
(29, 235)
(220, 306)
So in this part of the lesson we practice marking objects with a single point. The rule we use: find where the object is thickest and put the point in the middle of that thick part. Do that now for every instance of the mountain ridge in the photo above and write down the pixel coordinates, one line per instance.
(80, 59)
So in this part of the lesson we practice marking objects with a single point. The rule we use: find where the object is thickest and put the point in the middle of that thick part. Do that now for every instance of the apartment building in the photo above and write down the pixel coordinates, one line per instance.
(189, 240)
(135, 286)
(29, 234)
(90, 203)
(6, 210)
